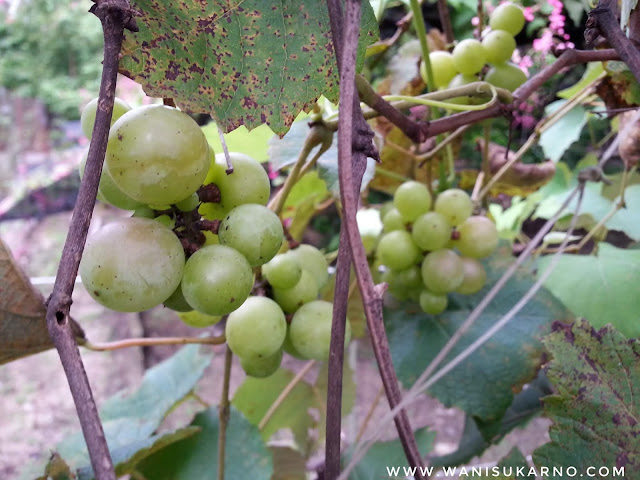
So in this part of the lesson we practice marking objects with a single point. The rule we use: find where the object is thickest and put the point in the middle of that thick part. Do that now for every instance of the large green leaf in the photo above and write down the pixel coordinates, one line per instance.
(603, 287)
(596, 410)
(196, 458)
(245, 61)
(559, 137)
(505, 362)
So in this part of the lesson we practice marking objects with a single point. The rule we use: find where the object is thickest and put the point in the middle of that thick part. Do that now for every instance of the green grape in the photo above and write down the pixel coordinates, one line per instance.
(108, 192)
(282, 271)
(506, 75)
(160, 207)
(397, 250)
(167, 221)
(189, 204)
(385, 208)
(412, 199)
(256, 329)
(469, 56)
(310, 330)
(442, 271)
(393, 221)
(475, 277)
(478, 237)
(405, 280)
(177, 302)
(498, 46)
(370, 227)
(253, 230)
(431, 231)
(433, 303)
(313, 260)
(157, 154)
(442, 67)
(454, 205)
(132, 264)
(461, 80)
(144, 212)
(288, 347)
(261, 367)
(249, 182)
(88, 116)
(290, 299)
(198, 319)
(217, 280)
(507, 17)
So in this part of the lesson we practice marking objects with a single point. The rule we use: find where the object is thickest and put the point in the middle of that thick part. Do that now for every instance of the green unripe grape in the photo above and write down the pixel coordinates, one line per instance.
(160, 207)
(442, 271)
(288, 347)
(166, 220)
(469, 56)
(478, 237)
(282, 271)
(313, 260)
(310, 330)
(261, 367)
(385, 208)
(412, 199)
(405, 280)
(433, 303)
(253, 230)
(454, 205)
(442, 67)
(88, 116)
(144, 212)
(290, 299)
(217, 280)
(370, 227)
(249, 182)
(256, 329)
(460, 81)
(498, 46)
(506, 75)
(157, 154)
(431, 231)
(507, 17)
(189, 204)
(198, 319)
(397, 250)
(393, 221)
(177, 302)
(132, 264)
(475, 277)
(108, 192)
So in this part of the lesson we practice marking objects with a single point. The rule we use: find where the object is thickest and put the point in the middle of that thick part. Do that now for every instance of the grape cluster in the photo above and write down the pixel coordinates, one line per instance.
(466, 62)
(419, 242)
(196, 235)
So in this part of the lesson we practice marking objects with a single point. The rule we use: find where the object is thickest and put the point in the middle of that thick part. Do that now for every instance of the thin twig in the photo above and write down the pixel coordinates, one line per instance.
(150, 342)
(445, 20)
(223, 413)
(225, 149)
(369, 416)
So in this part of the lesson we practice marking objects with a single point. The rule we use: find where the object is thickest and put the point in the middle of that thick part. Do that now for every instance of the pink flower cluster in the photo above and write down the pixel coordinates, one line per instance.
(554, 35)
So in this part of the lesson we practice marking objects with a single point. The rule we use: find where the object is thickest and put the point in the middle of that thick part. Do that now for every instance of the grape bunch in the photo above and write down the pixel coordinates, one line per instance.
(197, 239)
(419, 243)
(466, 63)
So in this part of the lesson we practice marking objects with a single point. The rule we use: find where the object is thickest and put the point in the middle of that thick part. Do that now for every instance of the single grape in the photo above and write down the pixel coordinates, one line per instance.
(385, 208)
(412, 199)
(478, 237)
(132, 264)
(433, 303)
(454, 205)
(256, 329)
(469, 56)
(177, 302)
(370, 227)
(442, 271)
(198, 319)
(405, 280)
(157, 154)
(313, 260)
(160, 207)
(442, 67)
(282, 271)
(108, 192)
(507, 17)
(475, 277)
(217, 280)
(506, 75)
(393, 221)
(310, 330)
(144, 212)
(253, 230)
(290, 299)
(431, 231)
(189, 204)
(249, 182)
(288, 347)
(88, 116)
(498, 46)
(261, 367)
(460, 81)
(397, 250)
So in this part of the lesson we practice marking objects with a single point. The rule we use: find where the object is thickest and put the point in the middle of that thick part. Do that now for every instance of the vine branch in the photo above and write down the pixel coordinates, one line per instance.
(115, 16)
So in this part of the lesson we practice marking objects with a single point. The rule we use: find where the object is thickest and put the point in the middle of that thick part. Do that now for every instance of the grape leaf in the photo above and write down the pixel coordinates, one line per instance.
(23, 329)
(506, 362)
(559, 137)
(247, 62)
(195, 458)
(603, 287)
(595, 412)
